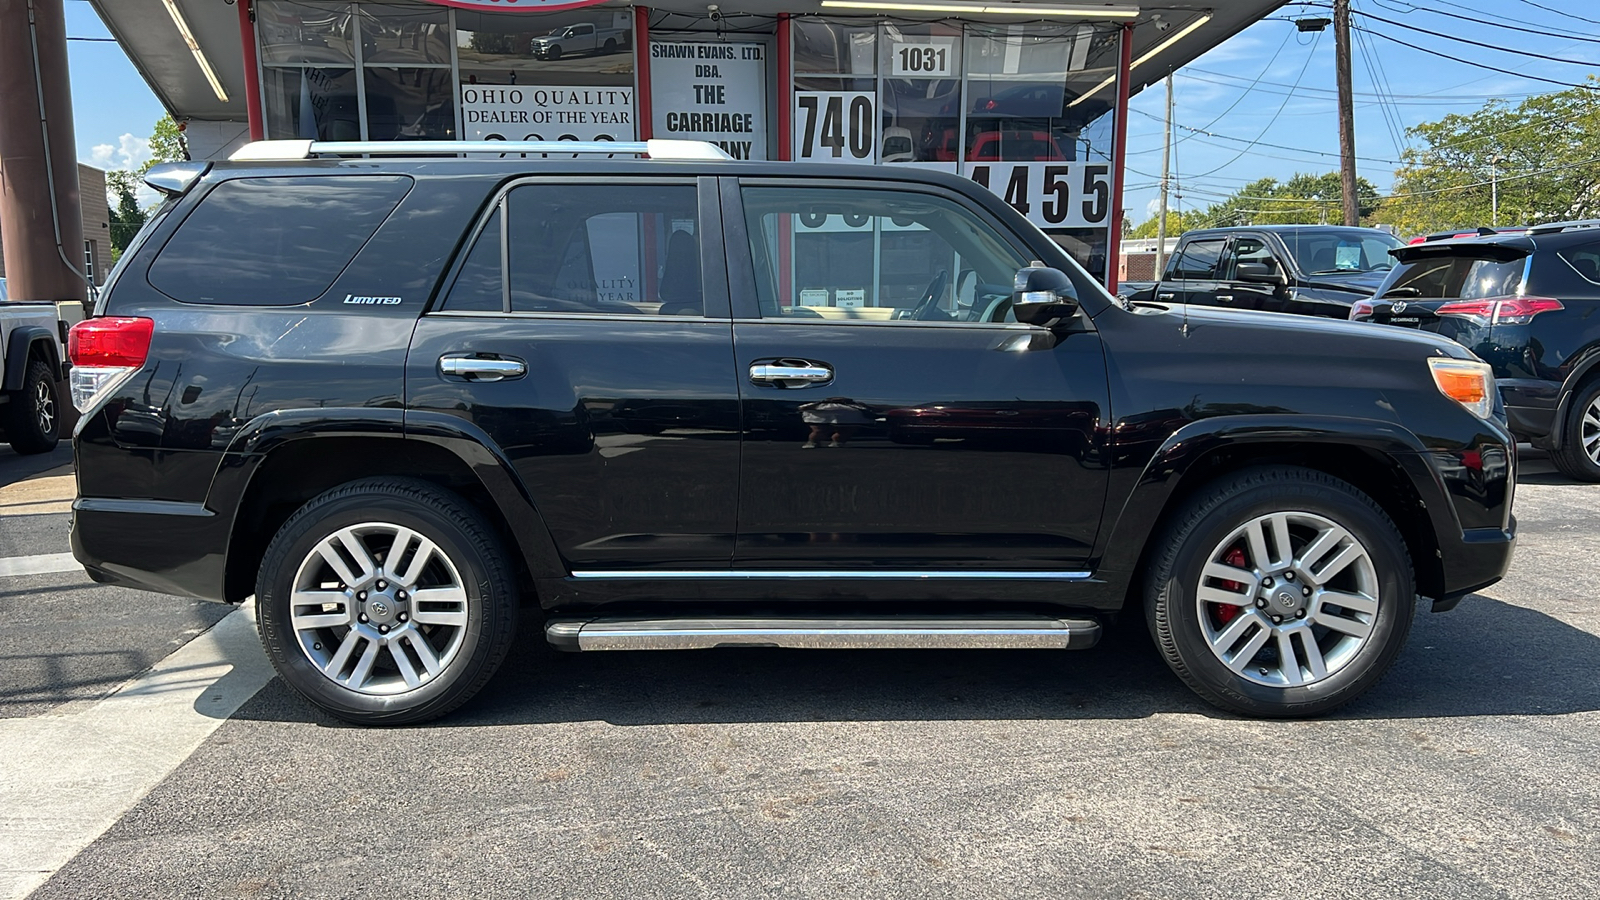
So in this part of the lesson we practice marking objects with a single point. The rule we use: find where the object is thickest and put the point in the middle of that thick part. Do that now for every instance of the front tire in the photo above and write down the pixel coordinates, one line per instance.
(33, 417)
(386, 601)
(1578, 457)
(1280, 592)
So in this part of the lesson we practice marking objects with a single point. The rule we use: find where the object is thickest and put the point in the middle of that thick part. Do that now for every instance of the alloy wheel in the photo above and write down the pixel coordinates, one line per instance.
(44, 408)
(1288, 599)
(378, 608)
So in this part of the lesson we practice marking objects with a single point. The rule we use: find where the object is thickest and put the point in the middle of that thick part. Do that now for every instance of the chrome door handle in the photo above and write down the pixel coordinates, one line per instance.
(475, 368)
(1225, 298)
(781, 372)
(1167, 295)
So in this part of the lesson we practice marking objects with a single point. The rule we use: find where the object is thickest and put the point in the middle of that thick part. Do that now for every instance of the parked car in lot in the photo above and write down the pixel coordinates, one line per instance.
(1525, 302)
(427, 396)
(583, 37)
(31, 362)
(1317, 270)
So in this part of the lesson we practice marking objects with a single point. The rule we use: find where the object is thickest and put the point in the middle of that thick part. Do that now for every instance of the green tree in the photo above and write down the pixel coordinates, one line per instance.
(126, 216)
(1542, 157)
(1177, 223)
(166, 144)
(1301, 200)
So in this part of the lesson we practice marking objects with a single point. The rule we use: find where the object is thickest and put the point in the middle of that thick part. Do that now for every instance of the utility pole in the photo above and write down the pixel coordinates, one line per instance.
(1347, 123)
(1494, 191)
(1166, 162)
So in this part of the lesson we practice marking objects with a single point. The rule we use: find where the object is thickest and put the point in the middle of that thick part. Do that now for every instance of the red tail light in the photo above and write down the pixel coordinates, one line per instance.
(1360, 308)
(110, 342)
(105, 352)
(1500, 310)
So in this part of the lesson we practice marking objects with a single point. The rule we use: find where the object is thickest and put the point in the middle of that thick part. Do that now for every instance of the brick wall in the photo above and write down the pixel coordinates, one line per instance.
(96, 222)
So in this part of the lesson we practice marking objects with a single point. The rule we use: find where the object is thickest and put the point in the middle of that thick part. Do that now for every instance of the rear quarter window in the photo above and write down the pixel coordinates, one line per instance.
(273, 241)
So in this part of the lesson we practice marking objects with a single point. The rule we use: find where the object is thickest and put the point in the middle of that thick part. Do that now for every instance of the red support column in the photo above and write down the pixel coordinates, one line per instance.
(641, 69)
(1120, 158)
(252, 72)
(785, 89)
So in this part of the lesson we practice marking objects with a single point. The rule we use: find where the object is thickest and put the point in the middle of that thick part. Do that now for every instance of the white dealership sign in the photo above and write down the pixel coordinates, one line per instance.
(1050, 194)
(508, 112)
(711, 91)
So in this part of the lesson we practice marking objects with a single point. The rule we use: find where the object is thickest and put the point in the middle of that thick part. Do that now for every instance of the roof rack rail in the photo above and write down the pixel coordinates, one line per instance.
(653, 148)
(1554, 227)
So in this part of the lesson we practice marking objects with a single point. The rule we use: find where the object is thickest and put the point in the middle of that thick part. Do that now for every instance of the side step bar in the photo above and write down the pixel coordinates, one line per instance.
(932, 633)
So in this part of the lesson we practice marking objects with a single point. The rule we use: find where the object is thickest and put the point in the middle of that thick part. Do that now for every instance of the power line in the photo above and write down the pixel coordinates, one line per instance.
(1227, 137)
(1561, 12)
(1461, 40)
(1468, 62)
(1431, 99)
(1246, 91)
(1412, 7)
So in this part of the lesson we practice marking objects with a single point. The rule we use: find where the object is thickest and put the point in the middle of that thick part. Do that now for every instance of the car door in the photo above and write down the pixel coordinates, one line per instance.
(1236, 293)
(888, 428)
(586, 335)
(1194, 273)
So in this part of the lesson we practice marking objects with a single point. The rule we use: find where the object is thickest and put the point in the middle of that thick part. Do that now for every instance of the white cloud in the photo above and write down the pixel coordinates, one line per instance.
(1153, 207)
(130, 152)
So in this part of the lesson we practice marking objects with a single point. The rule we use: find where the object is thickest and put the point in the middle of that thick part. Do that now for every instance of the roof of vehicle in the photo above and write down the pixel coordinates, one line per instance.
(1283, 229)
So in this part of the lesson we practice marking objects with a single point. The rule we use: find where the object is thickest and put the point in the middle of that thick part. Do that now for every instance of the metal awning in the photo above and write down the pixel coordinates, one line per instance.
(1165, 37)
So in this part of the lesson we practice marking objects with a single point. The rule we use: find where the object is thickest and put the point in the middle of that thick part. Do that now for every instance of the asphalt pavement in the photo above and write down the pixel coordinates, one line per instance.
(1468, 772)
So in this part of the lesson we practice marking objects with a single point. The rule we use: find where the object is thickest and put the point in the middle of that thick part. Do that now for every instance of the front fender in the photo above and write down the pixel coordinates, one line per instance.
(1175, 463)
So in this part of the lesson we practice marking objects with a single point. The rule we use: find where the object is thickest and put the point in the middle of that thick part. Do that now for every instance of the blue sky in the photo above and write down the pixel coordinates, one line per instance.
(114, 110)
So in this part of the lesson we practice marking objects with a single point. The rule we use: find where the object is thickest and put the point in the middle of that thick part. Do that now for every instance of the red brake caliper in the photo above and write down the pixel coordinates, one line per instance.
(1226, 613)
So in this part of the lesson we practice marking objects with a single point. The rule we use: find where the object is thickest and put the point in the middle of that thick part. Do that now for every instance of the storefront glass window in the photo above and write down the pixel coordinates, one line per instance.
(410, 104)
(312, 33)
(589, 46)
(404, 35)
(311, 103)
(823, 47)
(920, 94)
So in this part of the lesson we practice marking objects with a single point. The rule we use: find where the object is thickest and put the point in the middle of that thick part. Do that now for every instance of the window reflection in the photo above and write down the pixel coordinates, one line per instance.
(410, 104)
(315, 33)
(311, 104)
(404, 35)
(589, 46)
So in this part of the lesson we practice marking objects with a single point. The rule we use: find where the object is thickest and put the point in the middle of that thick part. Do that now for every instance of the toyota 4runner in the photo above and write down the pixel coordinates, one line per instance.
(680, 402)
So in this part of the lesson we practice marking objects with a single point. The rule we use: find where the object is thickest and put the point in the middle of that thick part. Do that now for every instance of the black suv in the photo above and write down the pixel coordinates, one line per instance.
(673, 403)
(1525, 301)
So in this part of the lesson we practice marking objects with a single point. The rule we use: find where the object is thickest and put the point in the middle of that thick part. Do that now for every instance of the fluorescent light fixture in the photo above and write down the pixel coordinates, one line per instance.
(1187, 30)
(1018, 9)
(194, 47)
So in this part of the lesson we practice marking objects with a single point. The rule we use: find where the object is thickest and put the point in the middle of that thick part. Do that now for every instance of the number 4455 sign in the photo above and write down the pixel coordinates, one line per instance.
(1051, 195)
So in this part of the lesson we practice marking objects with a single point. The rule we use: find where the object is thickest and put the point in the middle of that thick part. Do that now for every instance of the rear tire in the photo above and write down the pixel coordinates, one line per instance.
(1280, 592)
(33, 417)
(1578, 457)
(386, 601)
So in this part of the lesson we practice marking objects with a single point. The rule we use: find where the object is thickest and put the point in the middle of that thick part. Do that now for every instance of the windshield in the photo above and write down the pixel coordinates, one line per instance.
(1341, 252)
(1456, 277)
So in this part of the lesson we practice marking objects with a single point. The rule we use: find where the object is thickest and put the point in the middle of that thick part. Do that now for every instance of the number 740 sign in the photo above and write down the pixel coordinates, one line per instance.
(1051, 195)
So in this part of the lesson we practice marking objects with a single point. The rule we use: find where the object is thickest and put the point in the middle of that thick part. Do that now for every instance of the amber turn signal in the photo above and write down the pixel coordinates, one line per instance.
(1467, 382)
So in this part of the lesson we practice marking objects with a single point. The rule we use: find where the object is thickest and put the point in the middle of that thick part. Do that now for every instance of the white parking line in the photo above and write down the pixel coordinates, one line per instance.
(42, 564)
(66, 778)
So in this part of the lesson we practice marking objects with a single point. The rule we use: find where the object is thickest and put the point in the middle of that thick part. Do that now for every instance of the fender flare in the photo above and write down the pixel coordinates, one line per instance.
(269, 432)
(20, 345)
(1144, 506)
(1569, 387)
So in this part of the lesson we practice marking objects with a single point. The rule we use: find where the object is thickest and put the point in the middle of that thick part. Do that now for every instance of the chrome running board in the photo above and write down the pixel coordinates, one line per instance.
(930, 633)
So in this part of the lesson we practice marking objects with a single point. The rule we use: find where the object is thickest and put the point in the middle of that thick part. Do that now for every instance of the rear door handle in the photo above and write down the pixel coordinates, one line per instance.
(476, 368)
(790, 372)
(1165, 295)
(1225, 298)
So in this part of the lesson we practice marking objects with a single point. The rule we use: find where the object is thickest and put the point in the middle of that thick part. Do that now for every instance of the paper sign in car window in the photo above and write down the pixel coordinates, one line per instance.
(1348, 256)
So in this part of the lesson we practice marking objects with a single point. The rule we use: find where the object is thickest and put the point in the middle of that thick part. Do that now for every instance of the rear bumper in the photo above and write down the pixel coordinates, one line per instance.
(152, 545)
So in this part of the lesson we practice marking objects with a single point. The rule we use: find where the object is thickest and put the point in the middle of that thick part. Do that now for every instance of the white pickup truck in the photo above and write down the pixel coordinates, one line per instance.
(33, 360)
(584, 37)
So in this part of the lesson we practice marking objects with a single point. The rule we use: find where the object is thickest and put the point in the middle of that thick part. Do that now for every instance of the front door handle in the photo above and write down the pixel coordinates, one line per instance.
(1165, 295)
(790, 372)
(475, 368)
(1224, 298)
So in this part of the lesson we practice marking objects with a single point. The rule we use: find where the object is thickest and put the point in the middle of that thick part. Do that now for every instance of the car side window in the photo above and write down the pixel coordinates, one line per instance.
(1247, 250)
(610, 249)
(876, 255)
(1198, 262)
(1584, 260)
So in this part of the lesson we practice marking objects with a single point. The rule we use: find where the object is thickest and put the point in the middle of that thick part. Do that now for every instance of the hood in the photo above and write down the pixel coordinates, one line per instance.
(1294, 335)
(1363, 283)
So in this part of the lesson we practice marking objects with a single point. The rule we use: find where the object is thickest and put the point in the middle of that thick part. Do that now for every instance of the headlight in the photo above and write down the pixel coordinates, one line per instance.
(1468, 383)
